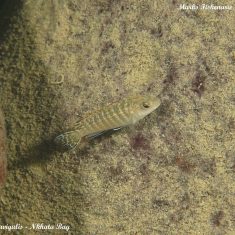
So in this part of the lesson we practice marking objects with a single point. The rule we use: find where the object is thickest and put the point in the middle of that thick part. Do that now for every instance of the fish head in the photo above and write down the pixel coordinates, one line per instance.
(144, 105)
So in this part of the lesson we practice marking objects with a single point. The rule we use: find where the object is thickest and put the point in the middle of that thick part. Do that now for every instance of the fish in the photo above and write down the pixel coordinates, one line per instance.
(113, 116)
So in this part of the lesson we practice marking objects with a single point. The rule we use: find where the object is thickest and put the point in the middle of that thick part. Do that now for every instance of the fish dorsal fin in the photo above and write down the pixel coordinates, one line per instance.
(78, 125)
(81, 118)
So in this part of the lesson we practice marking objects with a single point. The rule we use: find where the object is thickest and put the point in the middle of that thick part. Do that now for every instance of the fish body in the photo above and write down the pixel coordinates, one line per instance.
(113, 116)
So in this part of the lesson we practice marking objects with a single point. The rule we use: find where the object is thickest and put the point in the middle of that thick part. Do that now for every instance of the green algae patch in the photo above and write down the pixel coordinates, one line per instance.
(174, 171)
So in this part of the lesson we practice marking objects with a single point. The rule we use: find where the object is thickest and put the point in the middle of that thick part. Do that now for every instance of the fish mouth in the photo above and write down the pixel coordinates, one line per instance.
(155, 102)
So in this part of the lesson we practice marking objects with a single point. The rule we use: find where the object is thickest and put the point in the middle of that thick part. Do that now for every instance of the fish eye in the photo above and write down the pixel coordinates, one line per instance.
(146, 105)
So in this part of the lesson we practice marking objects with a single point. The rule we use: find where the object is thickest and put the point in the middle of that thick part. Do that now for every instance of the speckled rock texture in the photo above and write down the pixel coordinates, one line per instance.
(3, 147)
(173, 172)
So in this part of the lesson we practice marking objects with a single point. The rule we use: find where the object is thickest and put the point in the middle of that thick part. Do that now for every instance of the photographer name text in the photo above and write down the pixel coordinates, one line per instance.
(204, 7)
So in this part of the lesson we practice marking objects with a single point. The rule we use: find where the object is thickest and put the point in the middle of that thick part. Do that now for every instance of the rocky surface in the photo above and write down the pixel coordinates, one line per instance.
(3, 146)
(173, 173)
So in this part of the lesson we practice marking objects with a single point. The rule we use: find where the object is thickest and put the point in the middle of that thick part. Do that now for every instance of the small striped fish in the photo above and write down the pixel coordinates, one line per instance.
(111, 117)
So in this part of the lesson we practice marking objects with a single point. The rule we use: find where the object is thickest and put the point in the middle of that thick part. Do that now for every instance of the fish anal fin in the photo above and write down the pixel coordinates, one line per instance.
(96, 134)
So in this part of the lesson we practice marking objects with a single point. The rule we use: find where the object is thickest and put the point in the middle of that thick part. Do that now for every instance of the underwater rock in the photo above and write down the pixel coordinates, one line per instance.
(3, 160)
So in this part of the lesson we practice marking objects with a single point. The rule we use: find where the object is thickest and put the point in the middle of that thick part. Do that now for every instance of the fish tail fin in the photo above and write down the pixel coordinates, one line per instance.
(68, 140)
